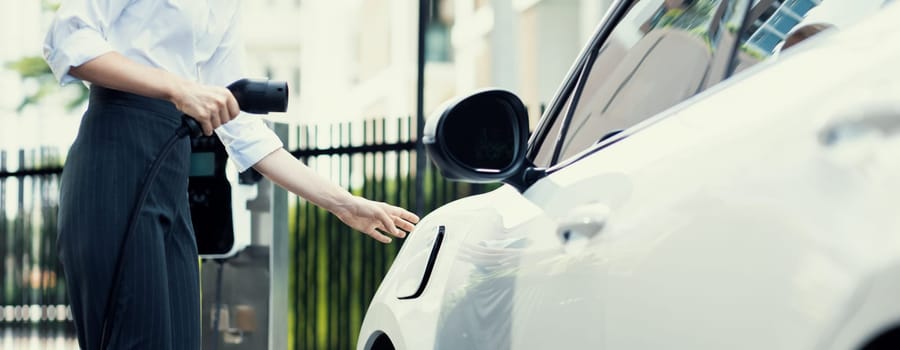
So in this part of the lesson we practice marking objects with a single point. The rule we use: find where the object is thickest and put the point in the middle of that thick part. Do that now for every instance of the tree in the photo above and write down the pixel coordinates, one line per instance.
(35, 69)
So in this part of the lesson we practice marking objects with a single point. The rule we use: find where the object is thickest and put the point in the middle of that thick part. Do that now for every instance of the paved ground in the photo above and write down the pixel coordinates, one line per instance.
(25, 339)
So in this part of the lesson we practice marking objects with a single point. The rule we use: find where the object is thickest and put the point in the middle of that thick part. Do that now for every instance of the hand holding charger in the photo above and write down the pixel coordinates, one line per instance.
(209, 191)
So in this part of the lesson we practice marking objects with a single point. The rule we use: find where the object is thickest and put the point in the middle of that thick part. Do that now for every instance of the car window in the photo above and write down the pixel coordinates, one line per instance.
(661, 53)
(776, 25)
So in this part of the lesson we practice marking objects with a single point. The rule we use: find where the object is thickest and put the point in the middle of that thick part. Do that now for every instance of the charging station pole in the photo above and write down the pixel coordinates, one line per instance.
(269, 228)
(252, 292)
(279, 260)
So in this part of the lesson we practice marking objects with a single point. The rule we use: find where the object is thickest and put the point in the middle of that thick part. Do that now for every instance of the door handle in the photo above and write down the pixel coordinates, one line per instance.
(583, 223)
(878, 120)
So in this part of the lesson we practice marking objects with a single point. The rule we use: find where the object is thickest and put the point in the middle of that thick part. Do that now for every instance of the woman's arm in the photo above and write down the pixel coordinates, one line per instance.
(364, 215)
(214, 106)
(211, 106)
(76, 48)
(251, 143)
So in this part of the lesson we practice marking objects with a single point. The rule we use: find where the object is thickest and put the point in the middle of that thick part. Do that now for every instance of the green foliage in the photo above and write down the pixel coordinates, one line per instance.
(694, 19)
(734, 22)
(335, 271)
(754, 52)
(49, 5)
(30, 67)
(35, 69)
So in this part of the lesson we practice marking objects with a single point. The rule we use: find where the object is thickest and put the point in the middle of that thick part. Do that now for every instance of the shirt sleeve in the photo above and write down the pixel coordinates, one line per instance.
(78, 34)
(247, 138)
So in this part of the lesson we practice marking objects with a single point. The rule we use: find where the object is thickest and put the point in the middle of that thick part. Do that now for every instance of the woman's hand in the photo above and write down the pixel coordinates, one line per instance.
(210, 106)
(376, 218)
(372, 218)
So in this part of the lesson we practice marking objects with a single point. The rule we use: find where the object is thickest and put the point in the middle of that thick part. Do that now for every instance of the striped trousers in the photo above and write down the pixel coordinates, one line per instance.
(156, 304)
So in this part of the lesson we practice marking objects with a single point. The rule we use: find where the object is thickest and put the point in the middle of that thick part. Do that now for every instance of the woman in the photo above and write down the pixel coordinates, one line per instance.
(148, 62)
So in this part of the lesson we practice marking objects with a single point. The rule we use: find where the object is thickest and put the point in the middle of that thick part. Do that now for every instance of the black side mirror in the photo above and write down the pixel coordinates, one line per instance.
(479, 138)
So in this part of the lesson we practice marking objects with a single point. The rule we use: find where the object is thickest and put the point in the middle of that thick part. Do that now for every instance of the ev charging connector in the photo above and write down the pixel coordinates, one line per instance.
(209, 191)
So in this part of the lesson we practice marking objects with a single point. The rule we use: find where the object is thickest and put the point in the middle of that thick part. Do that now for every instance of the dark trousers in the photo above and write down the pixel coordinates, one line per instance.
(156, 304)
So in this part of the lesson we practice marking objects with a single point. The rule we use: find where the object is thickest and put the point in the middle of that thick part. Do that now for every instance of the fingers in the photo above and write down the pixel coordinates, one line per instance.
(223, 115)
(378, 220)
(227, 106)
(388, 225)
(233, 108)
(214, 122)
(206, 126)
(402, 218)
(223, 100)
(403, 224)
(406, 215)
(392, 225)
(211, 106)
(212, 116)
(378, 236)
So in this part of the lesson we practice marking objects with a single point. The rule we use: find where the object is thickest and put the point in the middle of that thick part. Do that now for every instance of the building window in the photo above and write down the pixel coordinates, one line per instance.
(437, 43)
(437, 34)
(776, 22)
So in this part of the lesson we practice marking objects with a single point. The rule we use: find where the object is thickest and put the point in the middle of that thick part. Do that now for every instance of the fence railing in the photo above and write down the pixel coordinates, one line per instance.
(334, 271)
(33, 302)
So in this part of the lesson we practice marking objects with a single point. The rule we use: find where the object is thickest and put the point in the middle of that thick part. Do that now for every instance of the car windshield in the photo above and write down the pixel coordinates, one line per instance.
(661, 53)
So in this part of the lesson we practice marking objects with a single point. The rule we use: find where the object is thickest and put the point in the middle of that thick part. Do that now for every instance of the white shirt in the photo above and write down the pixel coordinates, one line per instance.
(194, 39)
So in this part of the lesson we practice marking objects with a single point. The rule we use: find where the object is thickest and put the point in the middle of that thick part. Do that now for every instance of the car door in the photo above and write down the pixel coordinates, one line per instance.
(543, 282)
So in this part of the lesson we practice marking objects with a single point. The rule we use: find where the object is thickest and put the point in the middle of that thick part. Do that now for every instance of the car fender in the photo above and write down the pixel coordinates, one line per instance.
(392, 310)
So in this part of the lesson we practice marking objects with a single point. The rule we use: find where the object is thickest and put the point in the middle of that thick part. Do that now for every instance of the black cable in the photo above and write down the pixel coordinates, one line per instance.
(186, 129)
(215, 343)
(253, 96)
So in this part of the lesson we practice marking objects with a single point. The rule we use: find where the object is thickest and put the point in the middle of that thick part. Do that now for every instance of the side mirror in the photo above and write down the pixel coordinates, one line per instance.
(479, 138)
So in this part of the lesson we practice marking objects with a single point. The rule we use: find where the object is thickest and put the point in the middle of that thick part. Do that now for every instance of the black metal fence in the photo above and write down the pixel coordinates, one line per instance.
(334, 271)
(33, 302)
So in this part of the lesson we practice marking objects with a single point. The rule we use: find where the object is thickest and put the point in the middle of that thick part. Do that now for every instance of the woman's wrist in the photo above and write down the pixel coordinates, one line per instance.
(342, 203)
(176, 89)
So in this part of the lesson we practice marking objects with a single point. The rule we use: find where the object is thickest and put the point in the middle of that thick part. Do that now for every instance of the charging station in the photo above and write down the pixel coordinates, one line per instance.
(247, 280)
(240, 226)
(218, 194)
(214, 217)
(219, 226)
(210, 198)
(240, 221)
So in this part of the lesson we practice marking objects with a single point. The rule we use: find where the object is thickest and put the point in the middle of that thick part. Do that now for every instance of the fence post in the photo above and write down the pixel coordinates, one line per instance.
(4, 234)
(420, 108)
(251, 287)
(279, 306)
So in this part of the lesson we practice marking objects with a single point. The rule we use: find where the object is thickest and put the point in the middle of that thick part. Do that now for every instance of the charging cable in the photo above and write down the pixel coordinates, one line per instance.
(188, 127)
(253, 96)
(218, 310)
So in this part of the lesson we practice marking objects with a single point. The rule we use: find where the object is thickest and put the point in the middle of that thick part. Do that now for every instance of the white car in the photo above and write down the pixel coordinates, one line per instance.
(760, 211)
